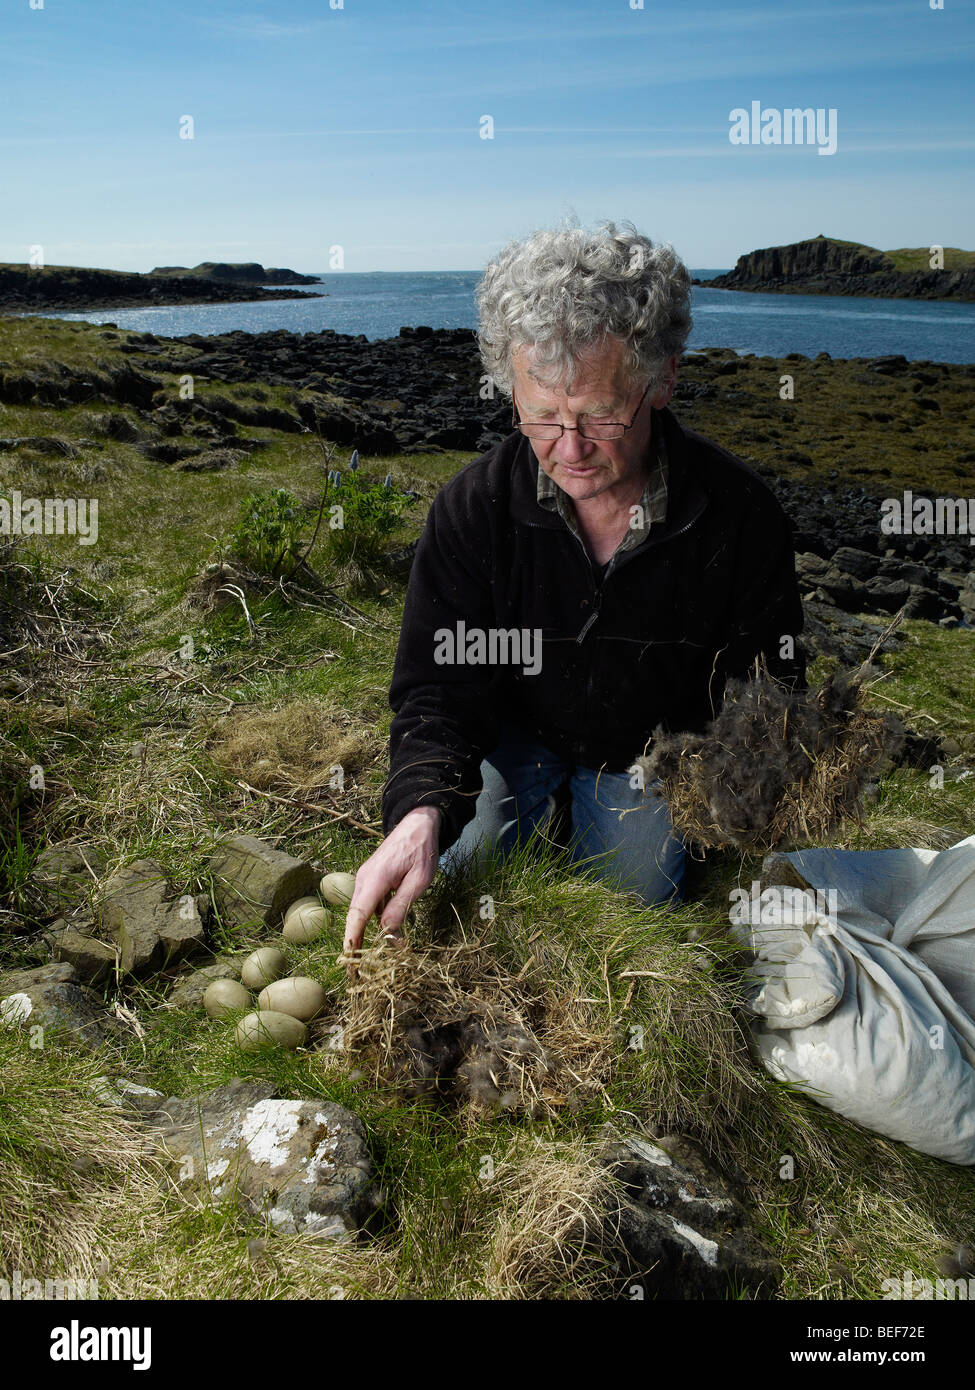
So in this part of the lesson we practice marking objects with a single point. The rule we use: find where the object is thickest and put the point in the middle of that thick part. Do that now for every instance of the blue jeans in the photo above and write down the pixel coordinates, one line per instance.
(622, 834)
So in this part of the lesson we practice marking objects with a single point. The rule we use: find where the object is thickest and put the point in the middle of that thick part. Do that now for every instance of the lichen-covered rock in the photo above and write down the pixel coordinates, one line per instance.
(685, 1232)
(57, 973)
(122, 1094)
(151, 931)
(254, 883)
(305, 1163)
(56, 1005)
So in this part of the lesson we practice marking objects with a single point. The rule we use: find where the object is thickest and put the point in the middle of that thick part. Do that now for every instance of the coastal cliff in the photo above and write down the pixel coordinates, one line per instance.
(824, 265)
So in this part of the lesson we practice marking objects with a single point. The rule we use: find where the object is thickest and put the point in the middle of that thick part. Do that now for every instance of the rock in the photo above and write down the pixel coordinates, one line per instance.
(56, 974)
(844, 590)
(92, 959)
(829, 632)
(59, 1006)
(888, 594)
(860, 563)
(811, 567)
(254, 883)
(305, 1162)
(187, 993)
(123, 1094)
(680, 1223)
(151, 931)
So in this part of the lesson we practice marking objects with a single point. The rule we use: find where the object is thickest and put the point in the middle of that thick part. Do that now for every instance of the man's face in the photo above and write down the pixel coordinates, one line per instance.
(584, 468)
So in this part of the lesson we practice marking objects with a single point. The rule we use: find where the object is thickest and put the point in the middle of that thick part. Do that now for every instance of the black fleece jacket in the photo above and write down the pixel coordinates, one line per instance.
(652, 644)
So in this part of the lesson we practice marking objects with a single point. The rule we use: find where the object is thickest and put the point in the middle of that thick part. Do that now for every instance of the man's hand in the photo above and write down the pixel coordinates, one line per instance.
(403, 867)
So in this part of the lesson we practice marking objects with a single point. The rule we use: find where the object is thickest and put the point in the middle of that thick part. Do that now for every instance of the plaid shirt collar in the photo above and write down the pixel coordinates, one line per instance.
(653, 504)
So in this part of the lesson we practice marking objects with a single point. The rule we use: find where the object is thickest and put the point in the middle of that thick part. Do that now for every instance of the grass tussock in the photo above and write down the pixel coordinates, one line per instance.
(298, 749)
(547, 1237)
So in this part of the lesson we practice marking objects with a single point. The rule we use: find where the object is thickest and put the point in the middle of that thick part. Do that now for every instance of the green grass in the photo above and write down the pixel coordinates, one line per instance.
(126, 745)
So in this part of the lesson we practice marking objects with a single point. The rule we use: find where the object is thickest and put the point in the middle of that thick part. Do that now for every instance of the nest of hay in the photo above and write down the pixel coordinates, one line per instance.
(774, 767)
(450, 1022)
(295, 749)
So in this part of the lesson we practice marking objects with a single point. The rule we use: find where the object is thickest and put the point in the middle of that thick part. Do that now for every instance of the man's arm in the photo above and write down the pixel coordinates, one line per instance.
(444, 722)
(445, 708)
(767, 615)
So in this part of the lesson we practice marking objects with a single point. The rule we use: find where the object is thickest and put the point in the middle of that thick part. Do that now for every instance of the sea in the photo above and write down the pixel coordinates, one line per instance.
(377, 304)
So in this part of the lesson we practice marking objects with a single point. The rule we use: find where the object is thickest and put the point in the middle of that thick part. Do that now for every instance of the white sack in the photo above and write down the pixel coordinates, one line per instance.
(867, 998)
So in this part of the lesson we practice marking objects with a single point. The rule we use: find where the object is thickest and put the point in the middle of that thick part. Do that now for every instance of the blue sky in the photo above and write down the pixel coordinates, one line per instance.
(359, 126)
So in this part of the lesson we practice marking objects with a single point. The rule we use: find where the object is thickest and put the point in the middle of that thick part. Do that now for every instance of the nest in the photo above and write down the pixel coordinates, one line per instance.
(450, 1022)
(774, 766)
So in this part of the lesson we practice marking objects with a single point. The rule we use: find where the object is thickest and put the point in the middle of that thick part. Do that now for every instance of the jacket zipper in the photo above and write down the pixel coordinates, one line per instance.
(597, 589)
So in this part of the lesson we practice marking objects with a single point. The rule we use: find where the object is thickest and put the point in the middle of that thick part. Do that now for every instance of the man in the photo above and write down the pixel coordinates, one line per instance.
(600, 572)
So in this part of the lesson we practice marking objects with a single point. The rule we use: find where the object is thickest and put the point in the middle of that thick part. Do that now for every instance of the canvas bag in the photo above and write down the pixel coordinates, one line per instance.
(863, 988)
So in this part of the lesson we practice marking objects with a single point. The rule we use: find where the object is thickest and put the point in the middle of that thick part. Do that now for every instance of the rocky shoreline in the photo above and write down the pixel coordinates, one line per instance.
(422, 393)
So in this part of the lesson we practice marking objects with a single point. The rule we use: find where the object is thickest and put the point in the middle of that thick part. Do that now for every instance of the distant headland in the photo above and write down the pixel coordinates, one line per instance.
(824, 265)
(28, 289)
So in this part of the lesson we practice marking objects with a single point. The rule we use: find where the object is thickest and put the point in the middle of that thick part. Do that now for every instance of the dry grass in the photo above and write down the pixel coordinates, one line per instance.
(295, 749)
(69, 1165)
(452, 1020)
(547, 1236)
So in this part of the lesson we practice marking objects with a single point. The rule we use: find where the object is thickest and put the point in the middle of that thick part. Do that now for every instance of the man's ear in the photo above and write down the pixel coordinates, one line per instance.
(666, 385)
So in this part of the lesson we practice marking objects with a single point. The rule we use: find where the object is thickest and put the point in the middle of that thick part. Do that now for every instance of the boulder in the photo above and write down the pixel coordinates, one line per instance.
(305, 1163)
(58, 1005)
(59, 973)
(122, 1094)
(151, 931)
(860, 563)
(254, 883)
(850, 639)
(680, 1223)
(92, 959)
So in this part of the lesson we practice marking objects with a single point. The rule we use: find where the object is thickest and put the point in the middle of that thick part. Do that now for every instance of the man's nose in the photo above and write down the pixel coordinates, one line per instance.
(571, 448)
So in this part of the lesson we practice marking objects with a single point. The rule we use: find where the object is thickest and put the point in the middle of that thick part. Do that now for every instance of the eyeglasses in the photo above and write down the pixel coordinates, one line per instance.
(602, 429)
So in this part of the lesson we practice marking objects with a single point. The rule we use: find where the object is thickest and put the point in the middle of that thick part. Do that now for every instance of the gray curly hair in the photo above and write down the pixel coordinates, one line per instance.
(561, 292)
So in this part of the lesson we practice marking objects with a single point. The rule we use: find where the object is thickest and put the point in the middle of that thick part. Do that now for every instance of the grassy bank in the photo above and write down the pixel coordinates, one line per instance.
(144, 751)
